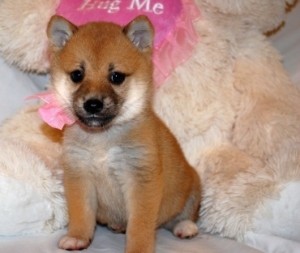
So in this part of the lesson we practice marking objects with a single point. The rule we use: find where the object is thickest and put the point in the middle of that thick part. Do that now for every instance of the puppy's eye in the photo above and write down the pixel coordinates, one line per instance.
(116, 78)
(77, 75)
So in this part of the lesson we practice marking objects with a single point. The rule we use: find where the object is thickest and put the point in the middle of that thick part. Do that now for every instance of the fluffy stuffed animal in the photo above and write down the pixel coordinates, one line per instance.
(230, 104)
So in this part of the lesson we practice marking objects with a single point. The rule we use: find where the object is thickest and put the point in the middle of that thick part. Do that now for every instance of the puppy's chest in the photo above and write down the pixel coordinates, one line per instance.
(104, 159)
(110, 166)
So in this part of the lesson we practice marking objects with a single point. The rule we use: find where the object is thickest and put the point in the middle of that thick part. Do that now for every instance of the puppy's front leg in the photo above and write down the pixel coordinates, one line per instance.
(144, 201)
(81, 202)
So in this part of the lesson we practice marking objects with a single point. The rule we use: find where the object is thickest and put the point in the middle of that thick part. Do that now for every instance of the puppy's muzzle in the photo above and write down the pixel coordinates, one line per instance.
(95, 112)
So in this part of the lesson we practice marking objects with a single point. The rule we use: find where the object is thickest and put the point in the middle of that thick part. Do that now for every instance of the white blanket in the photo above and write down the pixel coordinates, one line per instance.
(106, 241)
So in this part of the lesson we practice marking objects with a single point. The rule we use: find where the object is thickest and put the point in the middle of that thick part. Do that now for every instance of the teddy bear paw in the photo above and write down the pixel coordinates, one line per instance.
(185, 229)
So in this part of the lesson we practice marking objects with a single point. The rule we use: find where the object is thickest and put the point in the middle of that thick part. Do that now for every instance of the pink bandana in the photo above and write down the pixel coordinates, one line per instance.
(175, 36)
(52, 112)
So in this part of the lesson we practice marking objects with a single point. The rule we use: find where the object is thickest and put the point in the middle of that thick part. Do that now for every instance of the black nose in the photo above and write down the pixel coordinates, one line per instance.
(93, 105)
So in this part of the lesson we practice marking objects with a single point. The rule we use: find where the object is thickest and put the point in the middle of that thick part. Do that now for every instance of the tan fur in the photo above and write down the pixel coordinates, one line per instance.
(130, 173)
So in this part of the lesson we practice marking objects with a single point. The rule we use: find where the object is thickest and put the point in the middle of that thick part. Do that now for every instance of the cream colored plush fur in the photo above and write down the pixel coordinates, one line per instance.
(32, 195)
(237, 118)
(236, 115)
(23, 39)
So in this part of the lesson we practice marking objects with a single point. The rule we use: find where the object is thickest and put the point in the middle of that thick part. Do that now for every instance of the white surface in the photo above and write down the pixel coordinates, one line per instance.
(272, 244)
(15, 86)
(108, 242)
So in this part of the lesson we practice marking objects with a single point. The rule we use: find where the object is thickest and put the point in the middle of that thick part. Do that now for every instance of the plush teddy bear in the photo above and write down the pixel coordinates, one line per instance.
(230, 104)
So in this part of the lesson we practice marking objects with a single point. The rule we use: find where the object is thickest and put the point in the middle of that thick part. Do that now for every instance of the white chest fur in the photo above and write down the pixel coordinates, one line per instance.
(101, 151)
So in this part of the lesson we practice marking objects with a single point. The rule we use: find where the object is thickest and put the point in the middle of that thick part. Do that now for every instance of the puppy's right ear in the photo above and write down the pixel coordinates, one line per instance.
(59, 31)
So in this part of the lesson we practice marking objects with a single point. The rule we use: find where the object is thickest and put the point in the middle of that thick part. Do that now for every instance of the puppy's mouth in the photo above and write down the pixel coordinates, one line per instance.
(96, 121)
(96, 112)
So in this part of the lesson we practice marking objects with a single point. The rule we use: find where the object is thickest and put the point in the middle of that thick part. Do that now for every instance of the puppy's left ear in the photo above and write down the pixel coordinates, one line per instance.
(140, 31)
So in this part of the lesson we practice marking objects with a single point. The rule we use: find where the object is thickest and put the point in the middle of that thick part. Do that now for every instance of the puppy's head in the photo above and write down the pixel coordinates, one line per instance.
(102, 72)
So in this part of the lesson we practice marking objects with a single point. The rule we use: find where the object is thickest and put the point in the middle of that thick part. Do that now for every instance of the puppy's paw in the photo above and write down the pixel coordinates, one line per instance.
(185, 229)
(73, 243)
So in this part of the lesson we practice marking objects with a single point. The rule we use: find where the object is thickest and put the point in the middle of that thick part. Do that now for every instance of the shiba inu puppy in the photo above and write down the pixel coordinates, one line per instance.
(122, 166)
